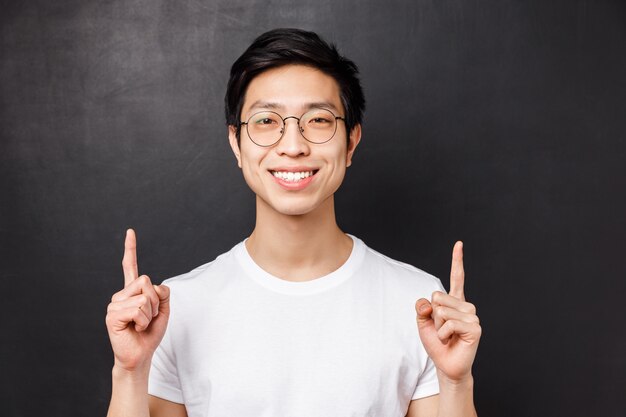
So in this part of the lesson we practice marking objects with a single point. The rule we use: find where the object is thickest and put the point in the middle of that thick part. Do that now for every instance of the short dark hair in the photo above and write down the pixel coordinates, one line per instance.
(280, 47)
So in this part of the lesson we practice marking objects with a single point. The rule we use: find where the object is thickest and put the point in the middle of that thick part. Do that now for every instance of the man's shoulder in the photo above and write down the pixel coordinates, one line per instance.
(221, 266)
(400, 273)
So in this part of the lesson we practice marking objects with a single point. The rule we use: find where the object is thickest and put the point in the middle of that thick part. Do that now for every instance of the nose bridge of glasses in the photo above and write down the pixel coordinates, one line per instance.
(300, 128)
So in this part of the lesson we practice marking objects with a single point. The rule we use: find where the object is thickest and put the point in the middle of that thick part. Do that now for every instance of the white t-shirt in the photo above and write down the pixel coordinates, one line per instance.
(241, 342)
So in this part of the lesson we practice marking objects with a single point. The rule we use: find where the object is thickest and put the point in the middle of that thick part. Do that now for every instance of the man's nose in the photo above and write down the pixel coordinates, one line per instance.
(292, 142)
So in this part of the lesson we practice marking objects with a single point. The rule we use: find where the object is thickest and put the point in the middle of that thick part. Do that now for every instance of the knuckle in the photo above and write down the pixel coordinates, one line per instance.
(152, 294)
(143, 299)
(144, 281)
(109, 320)
(139, 317)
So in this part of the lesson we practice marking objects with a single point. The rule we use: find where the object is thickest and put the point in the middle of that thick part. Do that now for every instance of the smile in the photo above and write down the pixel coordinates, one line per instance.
(289, 176)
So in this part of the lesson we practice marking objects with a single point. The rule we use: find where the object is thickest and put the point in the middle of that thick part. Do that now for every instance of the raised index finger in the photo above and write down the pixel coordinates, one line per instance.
(457, 274)
(129, 262)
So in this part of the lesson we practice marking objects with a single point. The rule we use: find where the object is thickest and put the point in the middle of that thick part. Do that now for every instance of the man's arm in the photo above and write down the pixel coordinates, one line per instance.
(452, 401)
(130, 398)
(163, 408)
(424, 407)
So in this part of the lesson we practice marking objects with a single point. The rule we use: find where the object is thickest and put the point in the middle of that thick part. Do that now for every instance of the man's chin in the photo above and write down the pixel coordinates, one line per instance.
(294, 210)
(288, 208)
(303, 205)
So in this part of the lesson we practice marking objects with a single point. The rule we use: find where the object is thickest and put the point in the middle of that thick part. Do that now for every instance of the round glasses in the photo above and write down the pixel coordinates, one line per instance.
(266, 128)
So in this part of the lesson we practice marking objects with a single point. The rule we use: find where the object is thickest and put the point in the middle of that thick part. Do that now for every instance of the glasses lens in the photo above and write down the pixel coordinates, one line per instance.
(318, 125)
(265, 128)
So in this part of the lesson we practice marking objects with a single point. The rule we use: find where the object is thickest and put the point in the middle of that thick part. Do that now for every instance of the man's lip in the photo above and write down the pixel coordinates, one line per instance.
(294, 169)
(296, 185)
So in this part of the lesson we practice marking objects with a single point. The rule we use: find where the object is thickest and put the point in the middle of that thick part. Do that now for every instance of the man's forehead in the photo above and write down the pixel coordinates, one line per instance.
(293, 88)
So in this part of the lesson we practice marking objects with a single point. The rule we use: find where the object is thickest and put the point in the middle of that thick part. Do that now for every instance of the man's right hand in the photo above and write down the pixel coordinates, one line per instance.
(137, 315)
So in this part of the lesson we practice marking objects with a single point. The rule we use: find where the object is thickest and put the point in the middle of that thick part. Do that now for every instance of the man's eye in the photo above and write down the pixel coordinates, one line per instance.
(320, 120)
(265, 121)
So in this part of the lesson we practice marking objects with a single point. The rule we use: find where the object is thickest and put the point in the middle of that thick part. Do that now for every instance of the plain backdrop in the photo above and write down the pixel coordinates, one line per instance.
(501, 123)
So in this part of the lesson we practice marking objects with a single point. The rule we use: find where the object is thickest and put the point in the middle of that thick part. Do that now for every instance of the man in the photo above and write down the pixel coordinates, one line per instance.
(300, 319)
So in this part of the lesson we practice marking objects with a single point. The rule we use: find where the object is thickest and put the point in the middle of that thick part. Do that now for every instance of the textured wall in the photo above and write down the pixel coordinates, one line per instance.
(497, 122)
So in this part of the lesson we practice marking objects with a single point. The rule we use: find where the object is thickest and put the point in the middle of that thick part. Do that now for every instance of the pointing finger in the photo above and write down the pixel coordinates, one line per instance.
(457, 274)
(129, 262)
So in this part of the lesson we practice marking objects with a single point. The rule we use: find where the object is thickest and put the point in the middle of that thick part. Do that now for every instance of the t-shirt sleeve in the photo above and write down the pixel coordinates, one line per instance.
(163, 381)
(428, 383)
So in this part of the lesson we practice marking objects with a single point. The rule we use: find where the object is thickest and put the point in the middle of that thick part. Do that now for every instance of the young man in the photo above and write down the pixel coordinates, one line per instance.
(300, 319)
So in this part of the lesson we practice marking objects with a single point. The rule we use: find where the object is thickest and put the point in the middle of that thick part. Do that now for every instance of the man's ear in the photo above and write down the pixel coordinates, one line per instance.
(234, 143)
(355, 138)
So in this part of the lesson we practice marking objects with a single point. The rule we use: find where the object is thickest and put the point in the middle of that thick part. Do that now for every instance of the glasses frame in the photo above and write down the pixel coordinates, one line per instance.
(284, 126)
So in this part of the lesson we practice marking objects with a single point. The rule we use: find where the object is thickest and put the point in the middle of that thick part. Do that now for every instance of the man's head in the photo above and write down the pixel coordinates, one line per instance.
(282, 47)
(294, 92)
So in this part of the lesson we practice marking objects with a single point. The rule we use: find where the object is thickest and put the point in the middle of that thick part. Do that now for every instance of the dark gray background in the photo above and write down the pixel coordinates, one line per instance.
(497, 122)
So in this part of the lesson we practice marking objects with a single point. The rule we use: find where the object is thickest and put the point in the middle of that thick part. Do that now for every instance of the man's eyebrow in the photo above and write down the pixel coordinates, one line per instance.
(261, 104)
(322, 105)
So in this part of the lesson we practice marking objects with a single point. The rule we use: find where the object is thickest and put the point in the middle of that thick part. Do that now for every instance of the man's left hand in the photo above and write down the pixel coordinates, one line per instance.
(449, 327)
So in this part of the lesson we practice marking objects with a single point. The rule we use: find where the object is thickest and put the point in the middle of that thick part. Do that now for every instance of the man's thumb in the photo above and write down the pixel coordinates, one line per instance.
(424, 311)
(163, 292)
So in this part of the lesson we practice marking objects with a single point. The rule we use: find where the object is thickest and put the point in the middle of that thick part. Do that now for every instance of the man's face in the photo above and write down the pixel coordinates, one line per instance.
(291, 91)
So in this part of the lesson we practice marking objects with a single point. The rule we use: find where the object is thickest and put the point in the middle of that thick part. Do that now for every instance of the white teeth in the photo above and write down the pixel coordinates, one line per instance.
(292, 176)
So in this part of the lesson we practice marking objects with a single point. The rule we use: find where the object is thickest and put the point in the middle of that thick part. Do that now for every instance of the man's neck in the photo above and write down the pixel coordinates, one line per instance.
(298, 248)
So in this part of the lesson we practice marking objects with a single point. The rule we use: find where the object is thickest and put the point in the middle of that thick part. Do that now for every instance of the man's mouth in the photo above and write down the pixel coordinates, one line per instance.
(293, 176)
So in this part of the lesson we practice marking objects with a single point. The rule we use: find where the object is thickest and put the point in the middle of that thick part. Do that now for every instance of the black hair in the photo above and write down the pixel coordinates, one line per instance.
(280, 47)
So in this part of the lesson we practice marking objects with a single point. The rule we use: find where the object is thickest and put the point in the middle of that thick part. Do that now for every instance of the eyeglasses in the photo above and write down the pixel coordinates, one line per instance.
(266, 128)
